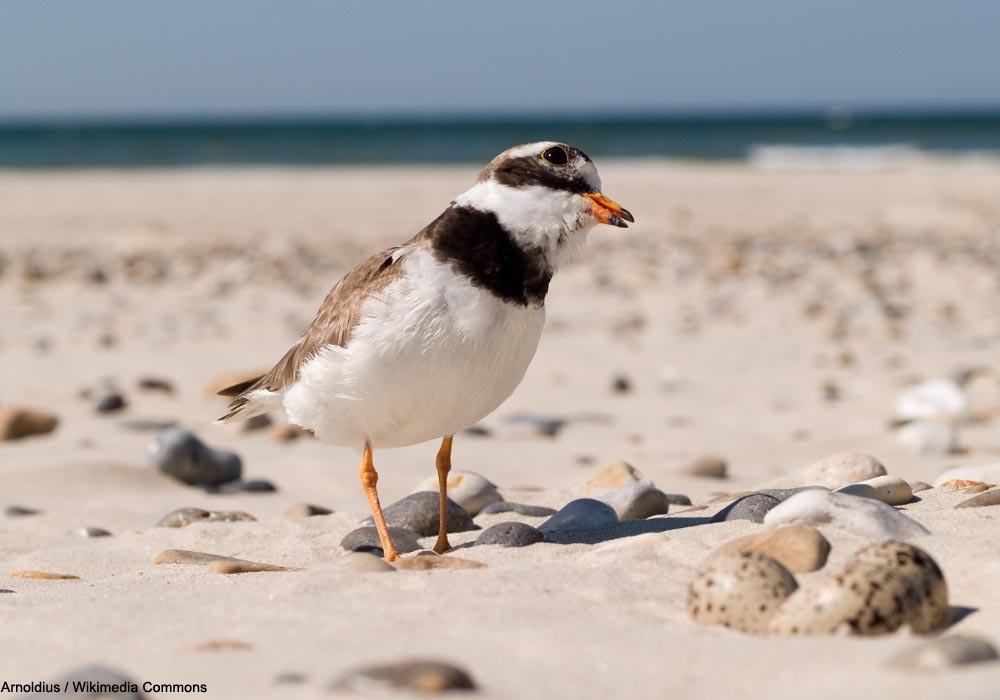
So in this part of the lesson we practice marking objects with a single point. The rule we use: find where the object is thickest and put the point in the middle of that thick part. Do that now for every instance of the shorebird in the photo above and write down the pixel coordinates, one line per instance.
(426, 338)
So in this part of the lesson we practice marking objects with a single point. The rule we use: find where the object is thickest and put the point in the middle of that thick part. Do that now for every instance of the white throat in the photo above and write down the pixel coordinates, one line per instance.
(540, 220)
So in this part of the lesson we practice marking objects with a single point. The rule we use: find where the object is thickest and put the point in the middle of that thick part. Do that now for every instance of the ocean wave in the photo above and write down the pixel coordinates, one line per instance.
(779, 156)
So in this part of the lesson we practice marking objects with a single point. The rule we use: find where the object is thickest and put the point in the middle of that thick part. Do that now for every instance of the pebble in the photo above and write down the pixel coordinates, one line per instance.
(419, 512)
(519, 508)
(865, 598)
(470, 490)
(740, 590)
(20, 511)
(258, 486)
(918, 486)
(185, 556)
(606, 478)
(17, 422)
(637, 501)
(110, 402)
(179, 453)
(433, 561)
(833, 472)
(987, 473)
(987, 498)
(929, 437)
(888, 489)
(510, 534)
(785, 494)
(945, 652)
(753, 508)
(581, 514)
(93, 673)
(92, 532)
(6, 590)
(708, 466)
(536, 425)
(621, 384)
(261, 421)
(305, 510)
(365, 562)
(156, 384)
(244, 567)
(365, 539)
(923, 573)
(678, 499)
(28, 573)
(182, 517)
(419, 675)
(864, 516)
(799, 548)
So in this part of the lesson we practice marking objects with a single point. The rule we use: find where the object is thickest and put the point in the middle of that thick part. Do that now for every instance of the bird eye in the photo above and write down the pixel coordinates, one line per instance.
(556, 155)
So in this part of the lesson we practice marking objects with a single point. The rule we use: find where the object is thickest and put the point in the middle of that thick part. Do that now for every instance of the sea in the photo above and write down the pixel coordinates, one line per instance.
(834, 138)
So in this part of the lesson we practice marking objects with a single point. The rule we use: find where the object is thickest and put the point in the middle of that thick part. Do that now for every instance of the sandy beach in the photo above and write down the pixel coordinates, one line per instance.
(762, 317)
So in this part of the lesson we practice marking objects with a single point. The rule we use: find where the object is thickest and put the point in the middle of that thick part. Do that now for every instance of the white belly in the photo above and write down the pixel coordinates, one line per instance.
(432, 355)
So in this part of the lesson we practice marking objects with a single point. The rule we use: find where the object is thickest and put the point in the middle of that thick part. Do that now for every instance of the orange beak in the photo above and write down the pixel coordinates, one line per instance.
(608, 211)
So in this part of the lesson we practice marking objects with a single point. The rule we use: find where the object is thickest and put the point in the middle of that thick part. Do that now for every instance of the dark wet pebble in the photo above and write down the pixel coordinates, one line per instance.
(477, 431)
(512, 534)
(20, 511)
(92, 532)
(365, 539)
(110, 402)
(6, 590)
(258, 486)
(519, 508)
(753, 508)
(182, 517)
(621, 384)
(419, 676)
(419, 512)
(580, 514)
(102, 676)
(785, 494)
(678, 499)
(258, 422)
(179, 453)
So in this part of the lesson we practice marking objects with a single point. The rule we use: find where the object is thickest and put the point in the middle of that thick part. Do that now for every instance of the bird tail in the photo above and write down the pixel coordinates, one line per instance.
(250, 400)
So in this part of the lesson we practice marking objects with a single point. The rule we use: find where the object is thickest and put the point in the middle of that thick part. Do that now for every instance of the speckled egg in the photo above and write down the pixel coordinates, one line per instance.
(864, 598)
(740, 590)
(921, 571)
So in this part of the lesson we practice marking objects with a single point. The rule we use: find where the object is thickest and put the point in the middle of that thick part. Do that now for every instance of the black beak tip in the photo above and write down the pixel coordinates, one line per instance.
(627, 215)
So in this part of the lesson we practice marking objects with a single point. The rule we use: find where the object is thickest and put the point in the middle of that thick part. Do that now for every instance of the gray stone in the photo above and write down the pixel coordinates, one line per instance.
(753, 508)
(420, 676)
(419, 512)
(511, 534)
(945, 652)
(546, 426)
(785, 494)
(637, 501)
(678, 499)
(470, 490)
(97, 674)
(179, 453)
(5, 590)
(580, 514)
(365, 539)
(519, 508)
(709, 466)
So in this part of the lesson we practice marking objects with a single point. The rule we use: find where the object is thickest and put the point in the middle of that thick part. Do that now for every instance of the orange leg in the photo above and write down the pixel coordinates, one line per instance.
(443, 467)
(369, 477)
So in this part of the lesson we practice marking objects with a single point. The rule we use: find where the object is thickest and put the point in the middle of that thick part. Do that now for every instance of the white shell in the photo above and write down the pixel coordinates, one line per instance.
(862, 515)
(740, 590)
(863, 598)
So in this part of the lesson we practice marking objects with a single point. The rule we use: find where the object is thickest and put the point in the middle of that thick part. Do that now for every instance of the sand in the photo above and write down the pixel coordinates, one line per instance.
(767, 317)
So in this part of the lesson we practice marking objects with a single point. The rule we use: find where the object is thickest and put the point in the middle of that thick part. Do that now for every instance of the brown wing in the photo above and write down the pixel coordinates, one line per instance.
(336, 318)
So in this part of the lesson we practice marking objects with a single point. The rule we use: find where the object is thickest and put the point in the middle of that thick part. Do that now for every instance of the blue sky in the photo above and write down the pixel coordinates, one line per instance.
(244, 57)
